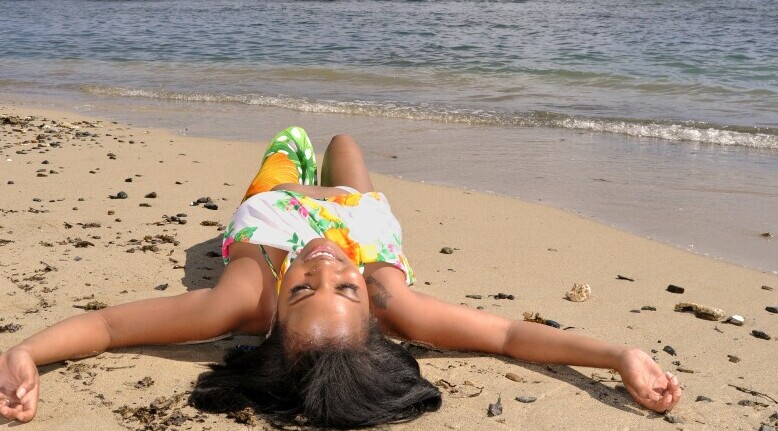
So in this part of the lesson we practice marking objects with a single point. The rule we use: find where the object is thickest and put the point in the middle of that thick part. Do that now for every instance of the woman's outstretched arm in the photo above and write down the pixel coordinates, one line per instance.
(194, 315)
(415, 316)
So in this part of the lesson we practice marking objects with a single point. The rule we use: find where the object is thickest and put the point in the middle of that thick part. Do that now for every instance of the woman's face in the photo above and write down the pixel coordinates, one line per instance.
(323, 297)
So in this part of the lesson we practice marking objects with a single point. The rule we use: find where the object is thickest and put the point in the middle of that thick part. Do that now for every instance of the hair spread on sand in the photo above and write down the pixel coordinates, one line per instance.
(335, 386)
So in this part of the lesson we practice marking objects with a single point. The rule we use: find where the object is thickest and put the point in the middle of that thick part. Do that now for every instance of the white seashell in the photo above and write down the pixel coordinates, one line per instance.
(579, 293)
(736, 320)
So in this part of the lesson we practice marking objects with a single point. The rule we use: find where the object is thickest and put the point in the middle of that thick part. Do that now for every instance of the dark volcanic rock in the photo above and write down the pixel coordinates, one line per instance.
(446, 250)
(675, 289)
(669, 350)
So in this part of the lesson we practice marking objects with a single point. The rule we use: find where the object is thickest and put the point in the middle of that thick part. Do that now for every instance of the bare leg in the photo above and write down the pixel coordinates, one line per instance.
(344, 165)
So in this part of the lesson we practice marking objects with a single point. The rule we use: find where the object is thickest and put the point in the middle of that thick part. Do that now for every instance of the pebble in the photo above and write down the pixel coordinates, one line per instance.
(151, 195)
(211, 206)
(121, 195)
(766, 428)
(203, 200)
(128, 180)
(553, 323)
(648, 308)
(701, 398)
(446, 250)
(772, 309)
(736, 320)
(526, 399)
(767, 288)
(145, 205)
(11, 182)
(760, 334)
(514, 377)
(701, 311)
(673, 419)
(675, 289)
(669, 350)
(162, 286)
(579, 293)
(474, 296)
(734, 359)
(181, 215)
(495, 409)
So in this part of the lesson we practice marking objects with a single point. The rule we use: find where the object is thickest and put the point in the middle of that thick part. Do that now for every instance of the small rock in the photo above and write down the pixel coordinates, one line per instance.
(514, 377)
(766, 428)
(673, 419)
(579, 293)
(161, 287)
(203, 200)
(669, 350)
(736, 320)
(128, 180)
(211, 206)
(446, 250)
(675, 289)
(495, 409)
(503, 296)
(526, 399)
(474, 296)
(151, 195)
(209, 223)
(701, 398)
(181, 215)
(701, 311)
(767, 288)
(760, 334)
(121, 195)
(553, 323)
(11, 182)
(685, 370)
(145, 205)
(648, 308)
(734, 359)
(10, 327)
(144, 383)
(766, 235)
(772, 309)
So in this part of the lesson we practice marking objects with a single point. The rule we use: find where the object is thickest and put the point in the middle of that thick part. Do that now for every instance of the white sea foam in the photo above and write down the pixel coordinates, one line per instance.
(681, 131)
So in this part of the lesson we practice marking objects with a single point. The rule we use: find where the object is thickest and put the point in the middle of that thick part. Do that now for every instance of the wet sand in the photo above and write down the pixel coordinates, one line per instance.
(65, 243)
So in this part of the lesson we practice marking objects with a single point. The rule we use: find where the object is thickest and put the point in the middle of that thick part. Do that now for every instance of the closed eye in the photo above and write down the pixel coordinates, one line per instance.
(299, 288)
(350, 286)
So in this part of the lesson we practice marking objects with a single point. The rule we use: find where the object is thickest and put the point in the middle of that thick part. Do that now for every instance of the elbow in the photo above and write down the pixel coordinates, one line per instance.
(508, 345)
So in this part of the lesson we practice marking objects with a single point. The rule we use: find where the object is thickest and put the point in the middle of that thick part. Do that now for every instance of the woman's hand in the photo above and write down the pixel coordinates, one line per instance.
(19, 384)
(646, 382)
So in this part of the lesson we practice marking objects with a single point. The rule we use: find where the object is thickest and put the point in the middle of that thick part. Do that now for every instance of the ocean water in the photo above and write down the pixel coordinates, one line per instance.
(659, 117)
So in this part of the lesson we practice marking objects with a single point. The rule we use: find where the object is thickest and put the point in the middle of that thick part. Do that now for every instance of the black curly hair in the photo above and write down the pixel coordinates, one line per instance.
(335, 385)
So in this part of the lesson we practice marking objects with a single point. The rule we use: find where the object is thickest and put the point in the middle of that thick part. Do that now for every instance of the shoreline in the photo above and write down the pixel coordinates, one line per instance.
(693, 197)
(502, 244)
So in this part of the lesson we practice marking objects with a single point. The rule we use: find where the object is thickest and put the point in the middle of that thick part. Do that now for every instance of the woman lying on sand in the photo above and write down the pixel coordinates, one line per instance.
(320, 269)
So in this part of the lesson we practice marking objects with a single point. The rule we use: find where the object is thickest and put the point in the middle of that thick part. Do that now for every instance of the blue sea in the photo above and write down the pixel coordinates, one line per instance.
(659, 117)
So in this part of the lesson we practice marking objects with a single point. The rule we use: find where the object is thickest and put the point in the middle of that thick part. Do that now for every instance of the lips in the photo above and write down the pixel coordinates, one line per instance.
(321, 252)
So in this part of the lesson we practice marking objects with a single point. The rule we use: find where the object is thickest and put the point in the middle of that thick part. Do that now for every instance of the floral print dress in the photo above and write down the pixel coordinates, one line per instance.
(361, 224)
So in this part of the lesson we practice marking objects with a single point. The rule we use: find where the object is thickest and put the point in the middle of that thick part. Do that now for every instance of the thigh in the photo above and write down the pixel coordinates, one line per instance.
(344, 165)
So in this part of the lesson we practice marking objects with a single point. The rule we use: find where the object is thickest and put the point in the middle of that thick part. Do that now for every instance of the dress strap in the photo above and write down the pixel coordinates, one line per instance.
(269, 262)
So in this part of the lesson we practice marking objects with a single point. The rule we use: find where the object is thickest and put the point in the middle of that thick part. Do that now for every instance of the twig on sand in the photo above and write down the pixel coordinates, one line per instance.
(754, 393)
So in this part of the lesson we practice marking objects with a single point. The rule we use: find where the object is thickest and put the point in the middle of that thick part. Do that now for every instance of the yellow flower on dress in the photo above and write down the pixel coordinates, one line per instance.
(350, 200)
(368, 253)
(276, 169)
(341, 238)
(312, 204)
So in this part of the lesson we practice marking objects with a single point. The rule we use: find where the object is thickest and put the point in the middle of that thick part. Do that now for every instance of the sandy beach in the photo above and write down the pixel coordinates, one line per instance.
(68, 243)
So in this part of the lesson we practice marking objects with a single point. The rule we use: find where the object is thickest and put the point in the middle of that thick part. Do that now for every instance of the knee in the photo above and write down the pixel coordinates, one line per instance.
(343, 142)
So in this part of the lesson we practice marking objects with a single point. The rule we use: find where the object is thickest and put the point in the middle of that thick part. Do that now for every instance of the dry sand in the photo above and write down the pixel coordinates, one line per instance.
(65, 243)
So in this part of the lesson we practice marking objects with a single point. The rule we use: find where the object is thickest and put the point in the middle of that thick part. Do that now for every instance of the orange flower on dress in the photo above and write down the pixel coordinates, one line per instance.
(341, 238)
(350, 200)
(276, 169)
